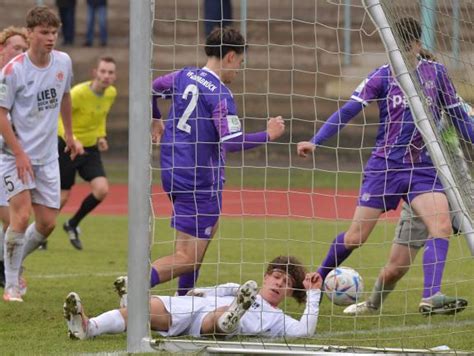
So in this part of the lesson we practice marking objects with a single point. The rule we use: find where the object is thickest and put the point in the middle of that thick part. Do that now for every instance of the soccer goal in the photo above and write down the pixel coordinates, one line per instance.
(303, 61)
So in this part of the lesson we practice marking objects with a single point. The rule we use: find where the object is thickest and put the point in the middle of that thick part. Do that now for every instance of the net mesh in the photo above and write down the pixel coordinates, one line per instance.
(303, 62)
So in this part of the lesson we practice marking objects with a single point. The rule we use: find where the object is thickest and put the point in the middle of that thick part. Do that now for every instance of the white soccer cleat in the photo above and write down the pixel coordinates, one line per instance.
(121, 287)
(12, 294)
(77, 321)
(363, 308)
(229, 320)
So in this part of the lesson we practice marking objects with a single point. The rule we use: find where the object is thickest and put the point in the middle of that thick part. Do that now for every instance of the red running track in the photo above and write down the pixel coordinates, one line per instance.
(320, 204)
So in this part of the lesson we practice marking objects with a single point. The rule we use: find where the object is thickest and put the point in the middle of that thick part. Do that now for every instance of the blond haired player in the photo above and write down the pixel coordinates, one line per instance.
(13, 41)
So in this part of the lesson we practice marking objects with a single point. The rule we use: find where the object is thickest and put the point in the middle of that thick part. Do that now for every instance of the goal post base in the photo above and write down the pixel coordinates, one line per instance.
(212, 347)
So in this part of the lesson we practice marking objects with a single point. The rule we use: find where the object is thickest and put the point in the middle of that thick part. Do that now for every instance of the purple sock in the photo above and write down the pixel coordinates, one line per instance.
(336, 255)
(434, 258)
(154, 277)
(187, 281)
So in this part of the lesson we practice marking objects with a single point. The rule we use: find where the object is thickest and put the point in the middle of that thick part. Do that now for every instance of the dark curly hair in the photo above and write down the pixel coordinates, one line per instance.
(295, 269)
(220, 42)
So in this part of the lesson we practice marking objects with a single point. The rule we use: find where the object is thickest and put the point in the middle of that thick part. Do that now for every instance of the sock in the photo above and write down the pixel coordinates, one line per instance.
(379, 293)
(14, 242)
(187, 281)
(336, 255)
(434, 258)
(111, 322)
(154, 277)
(88, 204)
(32, 240)
(2, 242)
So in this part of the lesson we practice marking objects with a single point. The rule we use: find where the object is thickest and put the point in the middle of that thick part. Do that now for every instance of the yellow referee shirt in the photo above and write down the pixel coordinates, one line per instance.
(89, 113)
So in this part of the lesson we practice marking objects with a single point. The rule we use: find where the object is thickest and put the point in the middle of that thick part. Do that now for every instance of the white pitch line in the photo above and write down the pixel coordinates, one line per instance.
(446, 324)
(76, 275)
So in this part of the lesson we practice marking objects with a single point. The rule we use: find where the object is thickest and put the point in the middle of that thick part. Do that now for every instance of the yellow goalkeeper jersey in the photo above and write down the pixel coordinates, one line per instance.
(89, 113)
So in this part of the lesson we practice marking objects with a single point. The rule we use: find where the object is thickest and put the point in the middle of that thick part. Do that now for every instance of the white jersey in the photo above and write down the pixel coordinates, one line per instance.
(262, 319)
(33, 97)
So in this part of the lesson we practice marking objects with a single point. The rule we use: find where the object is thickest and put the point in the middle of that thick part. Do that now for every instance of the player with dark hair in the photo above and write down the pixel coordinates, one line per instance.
(13, 41)
(399, 166)
(411, 235)
(35, 88)
(91, 103)
(202, 126)
(226, 309)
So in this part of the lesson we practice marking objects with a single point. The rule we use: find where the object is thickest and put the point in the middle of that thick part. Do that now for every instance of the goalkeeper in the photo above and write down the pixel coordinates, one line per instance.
(227, 309)
(411, 235)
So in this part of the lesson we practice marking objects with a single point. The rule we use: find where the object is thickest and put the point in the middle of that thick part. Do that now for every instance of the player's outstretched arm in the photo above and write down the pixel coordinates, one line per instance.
(306, 326)
(23, 164)
(221, 290)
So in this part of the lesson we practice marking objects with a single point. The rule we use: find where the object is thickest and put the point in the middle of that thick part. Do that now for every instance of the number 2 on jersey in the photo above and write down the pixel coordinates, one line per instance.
(182, 123)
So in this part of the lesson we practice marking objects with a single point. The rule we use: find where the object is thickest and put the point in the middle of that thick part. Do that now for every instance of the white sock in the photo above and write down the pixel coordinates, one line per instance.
(2, 242)
(33, 240)
(111, 322)
(13, 253)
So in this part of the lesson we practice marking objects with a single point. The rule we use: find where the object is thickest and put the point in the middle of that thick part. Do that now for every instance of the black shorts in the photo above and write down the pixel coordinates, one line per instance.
(89, 165)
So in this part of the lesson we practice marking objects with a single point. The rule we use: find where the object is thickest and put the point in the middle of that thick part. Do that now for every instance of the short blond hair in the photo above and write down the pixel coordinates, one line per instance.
(12, 31)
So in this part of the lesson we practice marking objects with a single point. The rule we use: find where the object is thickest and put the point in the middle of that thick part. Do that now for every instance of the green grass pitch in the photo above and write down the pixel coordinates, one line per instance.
(237, 254)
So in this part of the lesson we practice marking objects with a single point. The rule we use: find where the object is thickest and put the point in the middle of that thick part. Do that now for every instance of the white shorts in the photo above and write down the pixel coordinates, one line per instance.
(44, 187)
(187, 313)
(3, 192)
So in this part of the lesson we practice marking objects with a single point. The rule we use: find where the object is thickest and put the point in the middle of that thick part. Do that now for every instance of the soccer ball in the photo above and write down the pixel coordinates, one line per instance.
(344, 286)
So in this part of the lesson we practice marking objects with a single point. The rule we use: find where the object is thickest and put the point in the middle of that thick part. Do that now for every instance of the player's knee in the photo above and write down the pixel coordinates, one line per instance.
(187, 261)
(45, 228)
(101, 191)
(353, 241)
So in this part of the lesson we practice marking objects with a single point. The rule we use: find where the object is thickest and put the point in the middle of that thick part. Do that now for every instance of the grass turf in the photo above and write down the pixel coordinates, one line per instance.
(238, 253)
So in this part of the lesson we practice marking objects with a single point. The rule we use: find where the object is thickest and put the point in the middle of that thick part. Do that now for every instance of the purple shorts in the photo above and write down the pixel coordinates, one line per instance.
(383, 189)
(196, 213)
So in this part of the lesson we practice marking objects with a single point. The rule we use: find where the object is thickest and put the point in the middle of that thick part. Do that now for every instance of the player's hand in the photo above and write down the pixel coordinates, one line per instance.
(23, 167)
(275, 127)
(79, 147)
(157, 129)
(313, 280)
(70, 146)
(304, 148)
(102, 144)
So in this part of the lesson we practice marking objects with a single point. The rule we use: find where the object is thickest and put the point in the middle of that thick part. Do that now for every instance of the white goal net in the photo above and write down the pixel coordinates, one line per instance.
(303, 61)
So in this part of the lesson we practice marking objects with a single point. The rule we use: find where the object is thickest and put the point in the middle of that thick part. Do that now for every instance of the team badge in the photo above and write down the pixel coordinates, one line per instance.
(60, 76)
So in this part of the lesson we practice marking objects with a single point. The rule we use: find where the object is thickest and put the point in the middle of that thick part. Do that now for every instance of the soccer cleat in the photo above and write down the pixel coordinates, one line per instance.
(121, 285)
(442, 305)
(12, 294)
(77, 321)
(228, 322)
(73, 233)
(363, 308)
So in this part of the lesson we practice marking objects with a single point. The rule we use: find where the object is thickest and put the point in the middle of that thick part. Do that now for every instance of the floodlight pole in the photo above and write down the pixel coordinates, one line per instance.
(139, 179)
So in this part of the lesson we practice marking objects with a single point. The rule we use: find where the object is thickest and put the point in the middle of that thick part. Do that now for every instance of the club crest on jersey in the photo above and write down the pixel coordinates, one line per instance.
(365, 197)
(60, 76)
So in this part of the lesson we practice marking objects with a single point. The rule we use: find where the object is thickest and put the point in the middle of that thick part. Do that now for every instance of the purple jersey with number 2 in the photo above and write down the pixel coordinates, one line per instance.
(202, 116)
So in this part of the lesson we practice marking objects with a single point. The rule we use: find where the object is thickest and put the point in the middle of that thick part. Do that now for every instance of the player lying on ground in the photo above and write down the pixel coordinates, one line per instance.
(227, 309)
(400, 166)
(411, 235)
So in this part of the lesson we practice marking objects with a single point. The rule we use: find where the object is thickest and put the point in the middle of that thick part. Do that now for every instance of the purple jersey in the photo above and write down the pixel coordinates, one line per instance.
(203, 115)
(398, 140)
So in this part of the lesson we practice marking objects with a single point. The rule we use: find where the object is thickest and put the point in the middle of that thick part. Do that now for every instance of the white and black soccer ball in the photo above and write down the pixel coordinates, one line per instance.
(344, 286)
